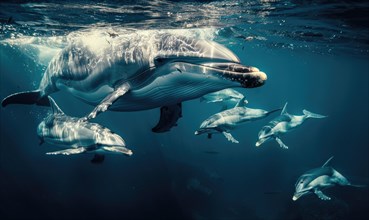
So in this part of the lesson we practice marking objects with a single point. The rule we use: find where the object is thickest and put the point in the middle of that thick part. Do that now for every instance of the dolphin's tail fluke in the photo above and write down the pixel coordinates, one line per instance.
(27, 98)
(312, 115)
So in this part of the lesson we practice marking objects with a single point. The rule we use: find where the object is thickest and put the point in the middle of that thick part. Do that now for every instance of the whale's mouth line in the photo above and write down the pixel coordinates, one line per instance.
(248, 76)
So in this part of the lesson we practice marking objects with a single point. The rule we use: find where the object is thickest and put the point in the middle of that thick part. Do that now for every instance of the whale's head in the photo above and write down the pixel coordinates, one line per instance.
(210, 59)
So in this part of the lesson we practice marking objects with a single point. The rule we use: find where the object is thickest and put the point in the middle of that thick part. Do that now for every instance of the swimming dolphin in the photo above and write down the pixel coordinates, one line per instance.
(139, 71)
(78, 136)
(225, 121)
(315, 180)
(228, 98)
(283, 124)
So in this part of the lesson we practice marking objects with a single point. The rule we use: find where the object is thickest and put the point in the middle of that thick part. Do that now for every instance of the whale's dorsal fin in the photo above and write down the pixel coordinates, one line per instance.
(54, 107)
(326, 163)
(284, 110)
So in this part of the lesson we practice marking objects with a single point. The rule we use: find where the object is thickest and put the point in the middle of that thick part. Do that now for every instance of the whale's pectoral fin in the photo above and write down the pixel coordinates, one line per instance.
(108, 101)
(119, 150)
(169, 116)
(230, 137)
(98, 158)
(209, 136)
(68, 151)
(321, 195)
(281, 144)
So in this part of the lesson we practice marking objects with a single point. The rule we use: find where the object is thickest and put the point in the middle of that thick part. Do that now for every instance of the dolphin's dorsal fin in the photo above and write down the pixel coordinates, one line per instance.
(284, 110)
(54, 107)
(326, 163)
(241, 103)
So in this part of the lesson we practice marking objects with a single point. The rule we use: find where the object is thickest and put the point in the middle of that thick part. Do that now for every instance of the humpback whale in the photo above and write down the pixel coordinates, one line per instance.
(225, 121)
(139, 71)
(78, 136)
(283, 124)
(315, 180)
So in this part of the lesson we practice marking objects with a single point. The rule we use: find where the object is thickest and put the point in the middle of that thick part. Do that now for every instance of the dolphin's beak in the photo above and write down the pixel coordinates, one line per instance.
(201, 131)
(296, 196)
(260, 142)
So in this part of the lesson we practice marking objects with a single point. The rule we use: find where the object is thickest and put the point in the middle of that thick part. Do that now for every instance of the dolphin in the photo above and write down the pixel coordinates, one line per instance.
(225, 121)
(140, 71)
(78, 136)
(228, 98)
(283, 124)
(315, 180)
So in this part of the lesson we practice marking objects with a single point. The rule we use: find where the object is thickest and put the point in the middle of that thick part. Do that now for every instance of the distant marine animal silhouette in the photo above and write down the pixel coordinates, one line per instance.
(316, 180)
(78, 136)
(140, 70)
(283, 124)
(225, 121)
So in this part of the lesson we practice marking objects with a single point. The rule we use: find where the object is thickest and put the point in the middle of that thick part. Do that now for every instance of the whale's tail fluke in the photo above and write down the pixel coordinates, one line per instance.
(312, 115)
(27, 98)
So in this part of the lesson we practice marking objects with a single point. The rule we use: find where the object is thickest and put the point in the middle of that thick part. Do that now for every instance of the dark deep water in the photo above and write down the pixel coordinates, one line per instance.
(315, 54)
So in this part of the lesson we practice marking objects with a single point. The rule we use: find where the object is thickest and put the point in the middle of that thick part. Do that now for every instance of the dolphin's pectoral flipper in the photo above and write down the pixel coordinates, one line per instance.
(98, 158)
(28, 98)
(209, 136)
(230, 137)
(108, 101)
(169, 116)
(281, 144)
(121, 150)
(68, 151)
(321, 195)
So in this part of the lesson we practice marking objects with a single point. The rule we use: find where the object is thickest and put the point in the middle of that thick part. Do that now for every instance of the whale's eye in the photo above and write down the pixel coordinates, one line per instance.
(159, 60)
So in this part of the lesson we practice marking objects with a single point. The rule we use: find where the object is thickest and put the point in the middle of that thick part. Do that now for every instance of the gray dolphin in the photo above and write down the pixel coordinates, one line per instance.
(225, 121)
(228, 98)
(283, 124)
(140, 71)
(78, 136)
(315, 180)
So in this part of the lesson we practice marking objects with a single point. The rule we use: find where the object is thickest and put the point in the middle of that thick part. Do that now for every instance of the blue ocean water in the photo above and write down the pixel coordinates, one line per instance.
(315, 54)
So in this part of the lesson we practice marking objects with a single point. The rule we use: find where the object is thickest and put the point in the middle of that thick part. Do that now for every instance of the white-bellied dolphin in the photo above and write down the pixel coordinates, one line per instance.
(225, 121)
(140, 71)
(228, 98)
(315, 180)
(78, 136)
(283, 124)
